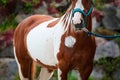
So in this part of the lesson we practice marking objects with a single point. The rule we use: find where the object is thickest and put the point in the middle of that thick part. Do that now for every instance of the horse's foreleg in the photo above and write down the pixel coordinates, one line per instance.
(62, 74)
(86, 73)
(45, 74)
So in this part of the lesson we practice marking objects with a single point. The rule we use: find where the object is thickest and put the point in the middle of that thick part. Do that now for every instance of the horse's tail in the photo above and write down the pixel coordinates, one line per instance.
(32, 70)
(26, 64)
(27, 68)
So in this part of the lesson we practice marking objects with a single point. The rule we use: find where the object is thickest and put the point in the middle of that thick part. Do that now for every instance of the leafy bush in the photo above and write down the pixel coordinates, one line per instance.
(8, 24)
(3, 2)
(109, 64)
(28, 7)
(98, 4)
(117, 40)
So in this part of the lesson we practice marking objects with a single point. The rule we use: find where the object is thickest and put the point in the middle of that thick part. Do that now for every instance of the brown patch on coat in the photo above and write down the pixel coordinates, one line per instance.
(73, 3)
(80, 57)
(52, 24)
(50, 68)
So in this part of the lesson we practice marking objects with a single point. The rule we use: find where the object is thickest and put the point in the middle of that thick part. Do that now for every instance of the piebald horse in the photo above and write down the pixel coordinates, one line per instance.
(55, 44)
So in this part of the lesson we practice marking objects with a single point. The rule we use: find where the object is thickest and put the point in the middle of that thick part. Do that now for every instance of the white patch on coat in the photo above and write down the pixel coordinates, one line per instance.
(43, 43)
(79, 76)
(60, 29)
(44, 74)
(59, 74)
(19, 67)
(70, 41)
(78, 16)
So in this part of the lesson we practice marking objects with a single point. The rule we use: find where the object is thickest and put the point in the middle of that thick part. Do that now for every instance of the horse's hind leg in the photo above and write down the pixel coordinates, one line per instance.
(26, 70)
(26, 67)
(45, 74)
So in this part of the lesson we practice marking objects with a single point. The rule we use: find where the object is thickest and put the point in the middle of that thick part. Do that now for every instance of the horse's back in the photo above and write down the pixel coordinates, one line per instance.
(31, 22)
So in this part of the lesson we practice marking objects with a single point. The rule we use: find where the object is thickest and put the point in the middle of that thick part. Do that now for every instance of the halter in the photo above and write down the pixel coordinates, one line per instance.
(85, 23)
(85, 14)
(81, 11)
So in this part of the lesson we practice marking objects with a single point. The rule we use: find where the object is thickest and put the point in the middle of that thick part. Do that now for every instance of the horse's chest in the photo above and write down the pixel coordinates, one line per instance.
(43, 44)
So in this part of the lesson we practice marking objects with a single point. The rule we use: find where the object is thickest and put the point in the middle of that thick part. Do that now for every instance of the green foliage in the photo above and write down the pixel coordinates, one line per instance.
(28, 7)
(98, 4)
(36, 1)
(3, 2)
(37, 70)
(91, 78)
(106, 77)
(110, 65)
(17, 77)
(117, 40)
(72, 75)
(55, 76)
(8, 24)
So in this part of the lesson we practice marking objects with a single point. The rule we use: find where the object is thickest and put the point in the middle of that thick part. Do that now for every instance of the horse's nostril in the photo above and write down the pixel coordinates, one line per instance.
(81, 20)
(79, 26)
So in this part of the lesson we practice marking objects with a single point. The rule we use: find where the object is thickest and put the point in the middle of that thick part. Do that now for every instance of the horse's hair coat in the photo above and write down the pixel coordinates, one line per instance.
(54, 43)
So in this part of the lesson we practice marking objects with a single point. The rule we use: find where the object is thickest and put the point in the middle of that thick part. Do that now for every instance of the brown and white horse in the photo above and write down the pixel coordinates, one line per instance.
(55, 43)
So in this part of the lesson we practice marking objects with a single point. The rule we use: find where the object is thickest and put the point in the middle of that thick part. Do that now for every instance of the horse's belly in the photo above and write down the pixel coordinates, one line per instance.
(40, 44)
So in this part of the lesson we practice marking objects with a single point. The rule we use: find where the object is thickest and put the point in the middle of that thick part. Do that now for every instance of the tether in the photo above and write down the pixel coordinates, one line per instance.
(102, 36)
(99, 35)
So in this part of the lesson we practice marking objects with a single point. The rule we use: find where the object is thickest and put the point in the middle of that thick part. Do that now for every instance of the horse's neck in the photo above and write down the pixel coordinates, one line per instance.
(66, 20)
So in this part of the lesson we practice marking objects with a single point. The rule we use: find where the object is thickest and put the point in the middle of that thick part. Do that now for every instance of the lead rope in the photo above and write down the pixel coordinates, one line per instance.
(99, 35)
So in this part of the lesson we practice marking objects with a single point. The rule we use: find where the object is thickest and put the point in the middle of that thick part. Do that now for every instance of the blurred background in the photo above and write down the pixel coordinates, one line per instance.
(106, 21)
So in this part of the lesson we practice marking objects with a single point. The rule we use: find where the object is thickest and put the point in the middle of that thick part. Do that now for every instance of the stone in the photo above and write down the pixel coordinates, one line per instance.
(106, 49)
(41, 10)
(97, 73)
(8, 69)
(21, 17)
(95, 24)
(110, 20)
(118, 12)
(7, 52)
(116, 74)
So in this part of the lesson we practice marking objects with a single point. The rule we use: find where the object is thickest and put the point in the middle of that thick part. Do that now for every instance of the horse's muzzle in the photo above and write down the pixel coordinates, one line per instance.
(79, 26)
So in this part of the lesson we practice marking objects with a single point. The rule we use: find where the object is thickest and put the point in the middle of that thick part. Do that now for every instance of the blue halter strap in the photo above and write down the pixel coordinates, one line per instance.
(103, 36)
(85, 23)
(85, 14)
(81, 11)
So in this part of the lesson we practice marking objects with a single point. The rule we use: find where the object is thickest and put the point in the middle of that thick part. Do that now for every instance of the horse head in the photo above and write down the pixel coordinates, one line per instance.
(81, 12)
